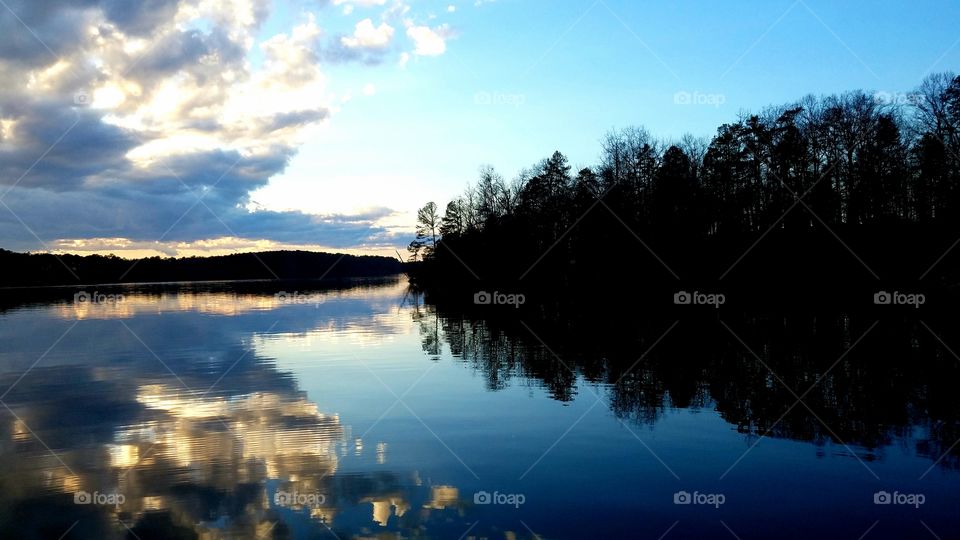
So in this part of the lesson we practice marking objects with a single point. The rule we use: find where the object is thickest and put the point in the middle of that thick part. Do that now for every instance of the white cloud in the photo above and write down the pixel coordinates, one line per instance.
(429, 41)
(165, 101)
(397, 12)
(248, 108)
(141, 110)
(365, 35)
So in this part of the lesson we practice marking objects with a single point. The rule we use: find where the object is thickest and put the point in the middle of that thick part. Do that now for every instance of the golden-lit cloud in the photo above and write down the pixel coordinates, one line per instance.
(157, 121)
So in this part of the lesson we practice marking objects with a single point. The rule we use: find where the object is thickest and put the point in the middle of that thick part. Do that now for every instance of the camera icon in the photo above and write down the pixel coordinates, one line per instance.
(282, 498)
(682, 497)
(483, 98)
(82, 497)
(81, 297)
(882, 497)
(682, 98)
(682, 298)
(282, 296)
(882, 298)
(81, 98)
(482, 497)
(482, 298)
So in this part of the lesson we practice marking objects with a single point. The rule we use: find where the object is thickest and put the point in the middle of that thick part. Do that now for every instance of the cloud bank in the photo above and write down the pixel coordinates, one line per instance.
(138, 123)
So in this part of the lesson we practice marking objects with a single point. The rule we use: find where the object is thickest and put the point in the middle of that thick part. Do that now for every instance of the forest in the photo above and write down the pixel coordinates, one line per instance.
(823, 193)
(30, 269)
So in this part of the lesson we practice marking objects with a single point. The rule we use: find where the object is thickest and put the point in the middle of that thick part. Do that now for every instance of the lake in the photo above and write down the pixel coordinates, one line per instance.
(365, 410)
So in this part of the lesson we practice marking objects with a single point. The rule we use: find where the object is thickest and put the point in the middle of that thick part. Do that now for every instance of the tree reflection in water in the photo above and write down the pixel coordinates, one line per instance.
(871, 381)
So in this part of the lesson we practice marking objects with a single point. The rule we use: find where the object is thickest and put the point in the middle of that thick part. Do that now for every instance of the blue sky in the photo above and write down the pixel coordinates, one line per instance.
(561, 74)
(235, 125)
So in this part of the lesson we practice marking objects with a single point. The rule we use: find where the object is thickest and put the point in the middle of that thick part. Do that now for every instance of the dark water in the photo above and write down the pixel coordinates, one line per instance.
(364, 412)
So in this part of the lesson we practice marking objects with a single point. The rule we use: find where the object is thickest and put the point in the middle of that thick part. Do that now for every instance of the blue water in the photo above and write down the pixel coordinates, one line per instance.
(217, 414)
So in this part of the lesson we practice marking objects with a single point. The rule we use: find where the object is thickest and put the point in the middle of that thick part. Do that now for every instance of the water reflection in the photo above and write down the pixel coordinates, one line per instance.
(148, 419)
(850, 379)
(233, 412)
(198, 458)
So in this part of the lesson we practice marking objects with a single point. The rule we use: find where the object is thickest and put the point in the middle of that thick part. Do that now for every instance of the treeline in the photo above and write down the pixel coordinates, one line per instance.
(21, 269)
(835, 189)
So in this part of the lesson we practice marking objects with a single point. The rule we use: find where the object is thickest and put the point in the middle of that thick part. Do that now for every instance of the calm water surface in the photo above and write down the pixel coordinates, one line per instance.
(363, 412)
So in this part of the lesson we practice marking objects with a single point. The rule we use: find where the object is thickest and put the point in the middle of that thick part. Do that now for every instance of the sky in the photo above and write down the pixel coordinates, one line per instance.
(174, 127)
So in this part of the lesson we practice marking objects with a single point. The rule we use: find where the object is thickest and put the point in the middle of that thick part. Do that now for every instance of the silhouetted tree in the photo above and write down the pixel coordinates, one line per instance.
(847, 162)
(415, 248)
(428, 226)
(674, 193)
(452, 223)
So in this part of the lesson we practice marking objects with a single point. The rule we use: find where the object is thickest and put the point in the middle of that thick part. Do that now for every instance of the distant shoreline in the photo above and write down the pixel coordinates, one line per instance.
(19, 271)
(196, 282)
(128, 283)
